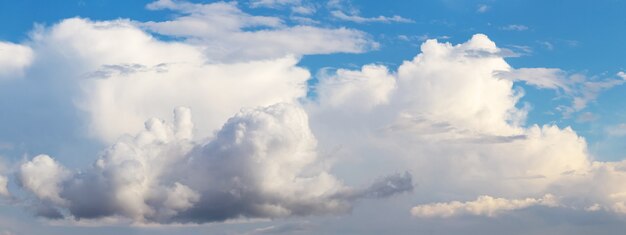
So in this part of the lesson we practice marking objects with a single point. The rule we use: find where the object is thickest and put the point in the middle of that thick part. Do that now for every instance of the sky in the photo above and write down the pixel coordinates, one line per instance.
(312, 117)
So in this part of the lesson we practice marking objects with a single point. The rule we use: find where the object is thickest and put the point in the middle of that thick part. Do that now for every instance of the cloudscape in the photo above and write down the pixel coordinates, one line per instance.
(312, 117)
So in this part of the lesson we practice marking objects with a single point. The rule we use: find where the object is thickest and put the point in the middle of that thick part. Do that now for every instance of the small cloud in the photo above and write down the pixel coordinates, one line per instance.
(421, 38)
(482, 206)
(304, 20)
(482, 8)
(617, 130)
(521, 49)
(515, 27)
(380, 19)
(622, 75)
(546, 44)
(586, 117)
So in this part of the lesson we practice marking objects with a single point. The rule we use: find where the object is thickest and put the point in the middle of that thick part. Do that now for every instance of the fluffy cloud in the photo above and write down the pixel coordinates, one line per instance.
(123, 66)
(455, 122)
(14, 58)
(228, 34)
(42, 176)
(483, 205)
(360, 89)
(261, 164)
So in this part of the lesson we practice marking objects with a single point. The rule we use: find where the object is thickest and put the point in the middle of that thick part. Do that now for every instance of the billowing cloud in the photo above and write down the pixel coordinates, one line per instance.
(261, 164)
(112, 81)
(483, 206)
(356, 89)
(455, 122)
(228, 34)
(14, 58)
(42, 176)
(450, 116)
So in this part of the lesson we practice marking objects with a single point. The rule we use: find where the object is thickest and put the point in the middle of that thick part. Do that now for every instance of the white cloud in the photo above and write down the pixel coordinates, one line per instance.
(546, 78)
(123, 65)
(515, 27)
(261, 164)
(14, 58)
(228, 34)
(482, 206)
(361, 89)
(359, 19)
(482, 8)
(43, 177)
(452, 121)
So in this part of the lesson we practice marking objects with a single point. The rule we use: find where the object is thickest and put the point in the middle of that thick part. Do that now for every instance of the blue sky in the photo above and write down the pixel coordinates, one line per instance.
(496, 111)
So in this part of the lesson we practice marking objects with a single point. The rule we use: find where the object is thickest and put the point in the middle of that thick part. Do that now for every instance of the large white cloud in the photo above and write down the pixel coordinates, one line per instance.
(451, 116)
(456, 123)
(261, 164)
(123, 76)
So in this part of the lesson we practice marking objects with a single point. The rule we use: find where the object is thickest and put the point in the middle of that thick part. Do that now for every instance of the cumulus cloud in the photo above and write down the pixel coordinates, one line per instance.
(482, 206)
(110, 82)
(360, 89)
(451, 115)
(228, 34)
(453, 118)
(42, 176)
(14, 58)
(359, 19)
(261, 164)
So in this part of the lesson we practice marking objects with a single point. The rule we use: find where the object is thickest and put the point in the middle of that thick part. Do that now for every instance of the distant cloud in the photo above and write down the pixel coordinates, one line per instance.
(577, 87)
(515, 27)
(482, 206)
(586, 117)
(617, 130)
(482, 8)
(546, 44)
(380, 19)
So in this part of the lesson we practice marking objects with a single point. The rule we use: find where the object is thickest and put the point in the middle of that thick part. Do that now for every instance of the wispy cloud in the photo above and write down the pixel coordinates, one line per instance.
(515, 27)
(379, 19)
(482, 8)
